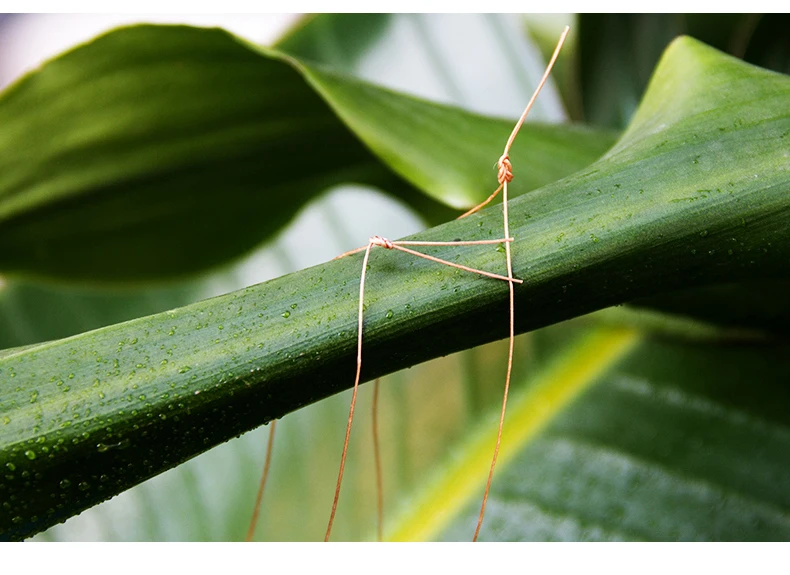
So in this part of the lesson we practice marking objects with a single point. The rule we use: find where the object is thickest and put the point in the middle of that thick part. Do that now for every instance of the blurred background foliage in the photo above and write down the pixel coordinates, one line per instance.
(488, 64)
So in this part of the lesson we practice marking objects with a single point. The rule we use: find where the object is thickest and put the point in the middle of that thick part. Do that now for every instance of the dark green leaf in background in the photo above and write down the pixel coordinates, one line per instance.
(673, 442)
(617, 53)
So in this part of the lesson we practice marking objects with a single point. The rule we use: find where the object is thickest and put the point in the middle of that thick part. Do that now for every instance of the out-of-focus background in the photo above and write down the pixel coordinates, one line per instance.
(488, 64)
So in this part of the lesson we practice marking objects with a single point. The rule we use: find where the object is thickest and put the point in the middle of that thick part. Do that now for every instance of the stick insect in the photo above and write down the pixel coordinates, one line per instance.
(504, 176)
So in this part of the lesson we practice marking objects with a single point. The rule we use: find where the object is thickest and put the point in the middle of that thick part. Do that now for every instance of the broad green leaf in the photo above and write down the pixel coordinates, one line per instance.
(668, 441)
(159, 149)
(694, 193)
(180, 148)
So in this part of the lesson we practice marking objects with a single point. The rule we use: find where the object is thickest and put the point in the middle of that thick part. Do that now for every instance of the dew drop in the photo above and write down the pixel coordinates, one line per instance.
(286, 314)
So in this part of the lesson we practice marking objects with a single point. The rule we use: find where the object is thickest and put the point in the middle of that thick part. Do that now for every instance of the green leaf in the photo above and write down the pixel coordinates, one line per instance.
(757, 305)
(671, 442)
(547, 395)
(618, 53)
(694, 193)
(32, 313)
(768, 46)
(159, 149)
(416, 140)
(180, 148)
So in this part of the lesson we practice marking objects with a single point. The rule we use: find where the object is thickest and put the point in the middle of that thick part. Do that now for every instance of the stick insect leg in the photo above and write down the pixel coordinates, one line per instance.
(264, 476)
(511, 343)
(504, 176)
(377, 458)
(481, 205)
(354, 395)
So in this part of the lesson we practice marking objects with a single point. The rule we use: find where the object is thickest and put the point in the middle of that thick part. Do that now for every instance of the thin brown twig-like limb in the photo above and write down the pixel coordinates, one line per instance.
(350, 252)
(504, 176)
(459, 266)
(387, 244)
(518, 125)
(511, 344)
(453, 243)
(264, 476)
(416, 243)
(482, 204)
(545, 77)
(377, 458)
(354, 395)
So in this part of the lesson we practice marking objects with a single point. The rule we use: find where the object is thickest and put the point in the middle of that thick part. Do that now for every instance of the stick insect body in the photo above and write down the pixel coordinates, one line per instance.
(504, 176)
